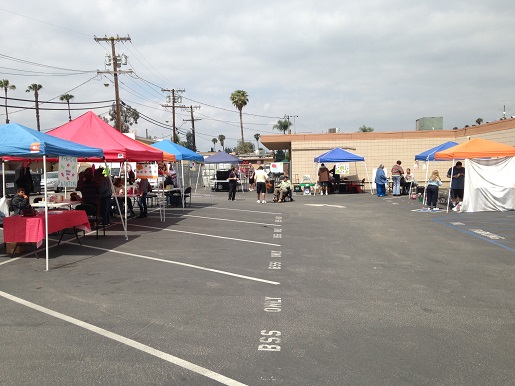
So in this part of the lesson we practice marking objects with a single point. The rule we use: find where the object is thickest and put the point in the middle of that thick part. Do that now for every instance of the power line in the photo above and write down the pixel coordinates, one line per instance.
(58, 103)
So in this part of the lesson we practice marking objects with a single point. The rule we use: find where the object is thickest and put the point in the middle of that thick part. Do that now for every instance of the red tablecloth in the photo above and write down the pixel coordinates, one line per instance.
(20, 229)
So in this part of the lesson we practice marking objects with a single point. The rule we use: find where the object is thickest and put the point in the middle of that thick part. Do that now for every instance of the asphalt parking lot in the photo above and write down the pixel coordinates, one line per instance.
(326, 290)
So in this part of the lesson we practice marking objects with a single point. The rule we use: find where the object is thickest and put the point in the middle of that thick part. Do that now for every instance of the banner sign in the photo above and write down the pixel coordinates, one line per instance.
(67, 176)
(146, 170)
(342, 169)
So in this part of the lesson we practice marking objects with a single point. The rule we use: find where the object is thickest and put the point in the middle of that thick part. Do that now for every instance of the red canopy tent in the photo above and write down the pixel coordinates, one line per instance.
(89, 129)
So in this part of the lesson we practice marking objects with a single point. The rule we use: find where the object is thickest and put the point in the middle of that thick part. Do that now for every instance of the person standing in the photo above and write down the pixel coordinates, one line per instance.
(252, 177)
(233, 182)
(381, 181)
(106, 192)
(457, 175)
(143, 188)
(323, 179)
(433, 183)
(397, 173)
(261, 179)
(23, 178)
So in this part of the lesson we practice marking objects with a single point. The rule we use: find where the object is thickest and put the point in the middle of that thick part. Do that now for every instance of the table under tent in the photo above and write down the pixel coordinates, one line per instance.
(339, 155)
(89, 129)
(489, 174)
(17, 141)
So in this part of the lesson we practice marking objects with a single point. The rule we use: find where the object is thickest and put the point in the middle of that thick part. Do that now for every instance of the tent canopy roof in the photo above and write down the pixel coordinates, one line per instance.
(477, 148)
(20, 141)
(168, 157)
(221, 158)
(181, 153)
(91, 130)
(429, 155)
(338, 155)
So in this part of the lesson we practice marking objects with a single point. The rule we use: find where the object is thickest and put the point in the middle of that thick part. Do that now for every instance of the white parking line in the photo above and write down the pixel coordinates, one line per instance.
(184, 265)
(126, 341)
(224, 219)
(207, 235)
(13, 259)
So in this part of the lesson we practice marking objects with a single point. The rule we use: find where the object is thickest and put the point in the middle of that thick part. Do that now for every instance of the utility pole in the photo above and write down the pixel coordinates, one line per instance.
(174, 99)
(193, 125)
(117, 61)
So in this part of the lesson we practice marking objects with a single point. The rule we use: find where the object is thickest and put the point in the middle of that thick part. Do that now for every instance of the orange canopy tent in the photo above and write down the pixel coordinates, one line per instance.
(477, 148)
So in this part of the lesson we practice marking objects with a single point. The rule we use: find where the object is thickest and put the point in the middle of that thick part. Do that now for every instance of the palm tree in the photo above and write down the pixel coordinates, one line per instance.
(34, 87)
(282, 125)
(221, 138)
(6, 86)
(67, 98)
(479, 121)
(214, 140)
(240, 98)
(256, 137)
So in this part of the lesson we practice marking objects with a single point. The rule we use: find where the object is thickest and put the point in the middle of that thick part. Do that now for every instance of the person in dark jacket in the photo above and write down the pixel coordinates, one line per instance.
(20, 201)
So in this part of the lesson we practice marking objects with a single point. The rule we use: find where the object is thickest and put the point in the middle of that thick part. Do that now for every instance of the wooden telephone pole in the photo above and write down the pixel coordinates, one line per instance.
(193, 125)
(117, 61)
(174, 99)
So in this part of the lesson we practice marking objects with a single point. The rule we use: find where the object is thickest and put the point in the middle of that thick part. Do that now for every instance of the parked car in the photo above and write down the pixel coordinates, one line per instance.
(52, 181)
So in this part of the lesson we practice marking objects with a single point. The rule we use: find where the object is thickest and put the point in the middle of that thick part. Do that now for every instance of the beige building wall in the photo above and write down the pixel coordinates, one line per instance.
(382, 148)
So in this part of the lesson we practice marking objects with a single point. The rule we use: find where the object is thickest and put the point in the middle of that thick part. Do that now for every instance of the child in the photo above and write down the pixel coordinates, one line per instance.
(432, 190)
(20, 201)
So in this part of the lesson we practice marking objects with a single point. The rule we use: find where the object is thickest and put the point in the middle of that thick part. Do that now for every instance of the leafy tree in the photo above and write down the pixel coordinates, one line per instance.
(365, 129)
(67, 98)
(229, 150)
(6, 86)
(221, 138)
(239, 99)
(214, 140)
(34, 87)
(129, 117)
(189, 140)
(244, 148)
(479, 121)
(256, 137)
(282, 125)
(279, 156)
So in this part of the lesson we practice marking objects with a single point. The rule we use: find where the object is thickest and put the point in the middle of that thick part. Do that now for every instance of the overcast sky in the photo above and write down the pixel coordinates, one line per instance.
(343, 64)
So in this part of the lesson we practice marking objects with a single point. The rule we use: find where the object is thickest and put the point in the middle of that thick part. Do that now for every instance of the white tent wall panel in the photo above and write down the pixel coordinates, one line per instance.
(489, 185)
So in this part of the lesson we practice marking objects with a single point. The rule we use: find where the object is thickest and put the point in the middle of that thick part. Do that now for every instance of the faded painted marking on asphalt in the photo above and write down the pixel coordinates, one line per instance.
(184, 265)
(126, 341)
(246, 210)
(334, 206)
(471, 232)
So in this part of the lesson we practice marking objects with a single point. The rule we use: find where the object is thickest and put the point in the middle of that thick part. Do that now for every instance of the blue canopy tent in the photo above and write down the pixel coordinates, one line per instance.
(181, 154)
(340, 155)
(222, 158)
(429, 155)
(17, 141)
